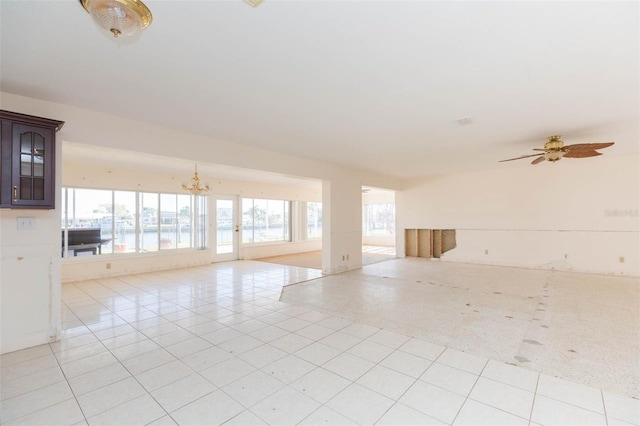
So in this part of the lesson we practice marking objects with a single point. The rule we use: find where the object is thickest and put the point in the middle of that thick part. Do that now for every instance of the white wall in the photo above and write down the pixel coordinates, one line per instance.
(30, 276)
(577, 214)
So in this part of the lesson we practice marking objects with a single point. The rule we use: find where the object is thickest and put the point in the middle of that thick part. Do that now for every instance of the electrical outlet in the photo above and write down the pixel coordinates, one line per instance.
(486, 251)
(343, 257)
(26, 223)
(108, 265)
(347, 257)
(621, 259)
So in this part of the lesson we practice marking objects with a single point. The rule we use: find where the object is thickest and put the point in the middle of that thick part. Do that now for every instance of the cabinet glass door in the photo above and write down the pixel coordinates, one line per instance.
(32, 153)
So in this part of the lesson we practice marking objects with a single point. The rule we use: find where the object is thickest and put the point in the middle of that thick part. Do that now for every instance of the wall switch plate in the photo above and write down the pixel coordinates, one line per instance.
(26, 223)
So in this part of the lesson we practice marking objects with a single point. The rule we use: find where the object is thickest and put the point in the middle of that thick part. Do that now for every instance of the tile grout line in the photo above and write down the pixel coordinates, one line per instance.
(533, 403)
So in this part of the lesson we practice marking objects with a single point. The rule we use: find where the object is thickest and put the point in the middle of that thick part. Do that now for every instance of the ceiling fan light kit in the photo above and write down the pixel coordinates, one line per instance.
(554, 150)
(119, 17)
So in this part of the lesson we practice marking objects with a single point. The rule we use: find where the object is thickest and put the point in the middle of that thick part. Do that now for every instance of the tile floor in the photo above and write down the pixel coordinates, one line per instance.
(214, 345)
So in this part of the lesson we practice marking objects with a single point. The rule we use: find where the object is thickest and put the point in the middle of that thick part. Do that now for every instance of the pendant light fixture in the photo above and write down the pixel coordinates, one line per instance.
(195, 187)
(119, 17)
(254, 3)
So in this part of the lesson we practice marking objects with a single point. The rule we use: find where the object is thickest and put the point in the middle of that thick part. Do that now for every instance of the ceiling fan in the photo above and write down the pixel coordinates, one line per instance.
(555, 150)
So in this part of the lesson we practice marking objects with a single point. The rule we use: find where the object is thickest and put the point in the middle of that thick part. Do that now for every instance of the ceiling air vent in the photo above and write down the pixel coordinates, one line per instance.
(465, 121)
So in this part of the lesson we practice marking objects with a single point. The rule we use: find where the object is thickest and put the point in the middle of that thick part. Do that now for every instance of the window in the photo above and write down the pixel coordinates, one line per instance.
(129, 222)
(265, 220)
(378, 219)
(314, 220)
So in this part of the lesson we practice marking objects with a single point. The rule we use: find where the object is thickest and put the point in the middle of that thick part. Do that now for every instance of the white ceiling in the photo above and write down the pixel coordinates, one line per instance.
(371, 85)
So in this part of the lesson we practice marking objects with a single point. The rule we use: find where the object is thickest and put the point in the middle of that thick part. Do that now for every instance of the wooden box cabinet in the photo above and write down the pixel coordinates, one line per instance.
(27, 161)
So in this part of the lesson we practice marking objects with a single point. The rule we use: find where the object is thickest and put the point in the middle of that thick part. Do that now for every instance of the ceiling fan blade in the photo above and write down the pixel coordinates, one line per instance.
(581, 154)
(519, 158)
(587, 146)
(538, 160)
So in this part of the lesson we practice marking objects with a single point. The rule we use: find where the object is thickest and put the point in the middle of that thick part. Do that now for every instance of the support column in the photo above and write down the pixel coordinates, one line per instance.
(341, 225)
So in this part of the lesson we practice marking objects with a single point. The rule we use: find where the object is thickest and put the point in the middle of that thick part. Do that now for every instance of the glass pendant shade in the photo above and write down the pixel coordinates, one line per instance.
(120, 17)
(254, 3)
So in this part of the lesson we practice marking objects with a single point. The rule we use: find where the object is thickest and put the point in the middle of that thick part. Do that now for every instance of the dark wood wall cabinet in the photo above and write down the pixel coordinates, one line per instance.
(27, 161)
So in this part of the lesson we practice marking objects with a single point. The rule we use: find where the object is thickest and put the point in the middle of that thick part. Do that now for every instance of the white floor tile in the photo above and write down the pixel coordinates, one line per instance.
(163, 375)
(293, 324)
(511, 375)
(406, 363)
(360, 404)
(64, 413)
(289, 368)
(86, 365)
(572, 393)
(547, 411)
(124, 340)
(246, 418)
(147, 361)
(389, 338)
(28, 354)
(253, 388)
(385, 381)
(262, 355)
(321, 385)
(285, 407)
(348, 366)
(400, 414)
(70, 343)
(504, 397)
(370, 351)
(317, 353)
(433, 401)
(31, 382)
(269, 333)
(135, 350)
(246, 294)
(325, 416)
(476, 413)
(422, 349)
(16, 370)
(98, 378)
(315, 332)
(31, 402)
(188, 347)
(173, 338)
(204, 359)
(163, 421)
(622, 408)
(341, 341)
(240, 344)
(107, 397)
(450, 378)
(182, 392)
(214, 408)
(291, 343)
(359, 330)
(138, 411)
(462, 361)
(221, 336)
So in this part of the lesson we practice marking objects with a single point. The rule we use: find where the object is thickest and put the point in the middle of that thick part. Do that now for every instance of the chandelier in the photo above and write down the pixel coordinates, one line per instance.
(195, 187)
(119, 17)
